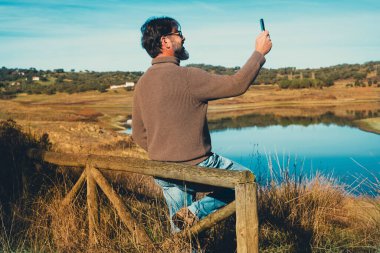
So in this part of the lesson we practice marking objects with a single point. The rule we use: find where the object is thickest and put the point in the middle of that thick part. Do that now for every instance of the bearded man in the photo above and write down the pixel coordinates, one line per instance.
(169, 114)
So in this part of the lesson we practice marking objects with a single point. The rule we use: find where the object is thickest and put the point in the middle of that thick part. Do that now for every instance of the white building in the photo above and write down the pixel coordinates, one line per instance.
(35, 78)
(129, 84)
(126, 85)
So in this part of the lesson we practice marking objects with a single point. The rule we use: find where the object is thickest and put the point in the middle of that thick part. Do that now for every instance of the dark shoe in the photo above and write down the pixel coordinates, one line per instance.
(184, 218)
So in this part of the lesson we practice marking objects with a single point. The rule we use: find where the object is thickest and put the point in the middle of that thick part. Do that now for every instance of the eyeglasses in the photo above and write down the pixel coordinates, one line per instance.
(179, 33)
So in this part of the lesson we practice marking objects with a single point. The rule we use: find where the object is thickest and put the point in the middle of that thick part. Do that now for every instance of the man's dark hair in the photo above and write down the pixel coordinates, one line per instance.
(152, 31)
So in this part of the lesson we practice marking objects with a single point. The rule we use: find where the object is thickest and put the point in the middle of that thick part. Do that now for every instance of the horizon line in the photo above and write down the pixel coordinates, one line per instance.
(88, 70)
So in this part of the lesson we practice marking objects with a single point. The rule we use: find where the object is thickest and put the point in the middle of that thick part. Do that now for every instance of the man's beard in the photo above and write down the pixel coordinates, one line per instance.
(180, 52)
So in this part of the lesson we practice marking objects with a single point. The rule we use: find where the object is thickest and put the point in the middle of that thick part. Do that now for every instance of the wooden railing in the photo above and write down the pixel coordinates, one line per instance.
(245, 204)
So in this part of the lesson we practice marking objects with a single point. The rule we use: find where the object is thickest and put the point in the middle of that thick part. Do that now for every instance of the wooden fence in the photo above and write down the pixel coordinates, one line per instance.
(245, 204)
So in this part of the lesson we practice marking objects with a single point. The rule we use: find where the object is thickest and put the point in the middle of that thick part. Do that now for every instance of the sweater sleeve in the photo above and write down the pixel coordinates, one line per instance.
(205, 86)
(139, 135)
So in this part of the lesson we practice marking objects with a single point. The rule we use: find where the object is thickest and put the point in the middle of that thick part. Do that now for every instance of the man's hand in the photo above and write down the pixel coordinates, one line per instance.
(263, 43)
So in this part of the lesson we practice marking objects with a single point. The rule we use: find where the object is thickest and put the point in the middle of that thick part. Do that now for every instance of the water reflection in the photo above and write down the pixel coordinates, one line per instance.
(270, 119)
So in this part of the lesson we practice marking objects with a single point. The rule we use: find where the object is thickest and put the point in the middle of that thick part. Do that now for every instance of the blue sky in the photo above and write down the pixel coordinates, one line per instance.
(104, 35)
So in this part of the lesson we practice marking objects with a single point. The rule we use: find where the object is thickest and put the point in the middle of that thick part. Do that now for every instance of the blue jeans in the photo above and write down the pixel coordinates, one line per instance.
(182, 194)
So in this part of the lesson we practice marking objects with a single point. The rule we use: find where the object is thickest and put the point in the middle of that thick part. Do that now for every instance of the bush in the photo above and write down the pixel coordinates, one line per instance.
(360, 76)
(102, 88)
(300, 83)
(20, 181)
(7, 94)
(284, 84)
(359, 84)
(15, 166)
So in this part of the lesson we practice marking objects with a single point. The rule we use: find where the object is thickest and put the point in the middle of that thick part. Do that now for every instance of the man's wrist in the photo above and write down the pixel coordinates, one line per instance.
(260, 57)
(260, 51)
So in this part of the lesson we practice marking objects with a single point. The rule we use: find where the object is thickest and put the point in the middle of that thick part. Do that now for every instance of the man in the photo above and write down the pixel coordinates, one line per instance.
(169, 114)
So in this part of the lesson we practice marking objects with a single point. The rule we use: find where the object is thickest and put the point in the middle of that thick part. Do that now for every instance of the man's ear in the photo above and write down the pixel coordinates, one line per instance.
(166, 43)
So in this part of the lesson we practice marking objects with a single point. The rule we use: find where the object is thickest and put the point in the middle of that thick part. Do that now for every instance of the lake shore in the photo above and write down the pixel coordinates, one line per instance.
(91, 120)
(371, 125)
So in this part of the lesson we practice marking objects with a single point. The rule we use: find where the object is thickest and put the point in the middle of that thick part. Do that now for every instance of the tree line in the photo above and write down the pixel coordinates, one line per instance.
(33, 81)
(293, 78)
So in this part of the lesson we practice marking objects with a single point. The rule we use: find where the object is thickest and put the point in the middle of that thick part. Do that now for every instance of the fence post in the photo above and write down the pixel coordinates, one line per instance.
(92, 206)
(74, 191)
(133, 226)
(247, 224)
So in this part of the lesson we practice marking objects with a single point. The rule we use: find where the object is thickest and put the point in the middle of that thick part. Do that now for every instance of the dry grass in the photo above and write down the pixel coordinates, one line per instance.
(295, 216)
(49, 227)
(316, 215)
(371, 124)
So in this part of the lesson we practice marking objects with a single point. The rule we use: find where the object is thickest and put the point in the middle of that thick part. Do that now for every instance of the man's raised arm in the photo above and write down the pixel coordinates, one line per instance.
(205, 86)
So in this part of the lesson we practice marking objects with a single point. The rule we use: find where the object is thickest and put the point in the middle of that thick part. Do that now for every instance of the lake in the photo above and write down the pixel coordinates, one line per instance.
(334, 148)
(342, 152)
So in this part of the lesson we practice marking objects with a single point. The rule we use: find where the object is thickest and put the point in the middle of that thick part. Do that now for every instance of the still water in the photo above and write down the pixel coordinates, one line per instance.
(345, 153)
(336, 150)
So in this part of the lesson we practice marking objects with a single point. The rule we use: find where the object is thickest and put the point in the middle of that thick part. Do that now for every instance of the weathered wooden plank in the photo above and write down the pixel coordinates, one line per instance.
(209, 176)
(247, 223)
(195, 174)
(92, 207)
(136, 230)
(210, 220)
(63, 159)
(252, 219)
(241, 222)
(74, 191)
(206, 223)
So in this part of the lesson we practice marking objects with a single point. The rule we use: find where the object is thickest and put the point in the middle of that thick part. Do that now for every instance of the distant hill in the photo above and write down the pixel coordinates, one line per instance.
(291, 77)
(33, 81)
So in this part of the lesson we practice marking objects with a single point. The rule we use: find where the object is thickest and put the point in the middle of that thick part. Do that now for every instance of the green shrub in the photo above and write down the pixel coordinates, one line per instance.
(301, 83)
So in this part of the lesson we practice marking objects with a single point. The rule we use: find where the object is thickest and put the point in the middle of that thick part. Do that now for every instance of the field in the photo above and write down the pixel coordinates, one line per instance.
(308, 215)
(111, 109)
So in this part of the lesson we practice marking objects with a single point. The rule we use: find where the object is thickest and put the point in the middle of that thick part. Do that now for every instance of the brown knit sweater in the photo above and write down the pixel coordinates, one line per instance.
(170, 106)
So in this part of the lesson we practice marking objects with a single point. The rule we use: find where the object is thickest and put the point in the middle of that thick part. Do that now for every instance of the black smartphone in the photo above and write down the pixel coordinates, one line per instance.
(262, 25)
